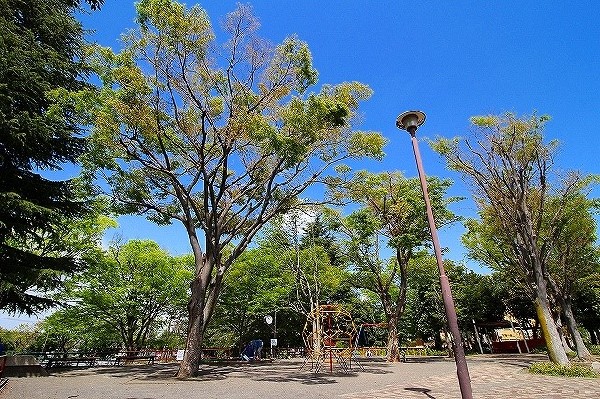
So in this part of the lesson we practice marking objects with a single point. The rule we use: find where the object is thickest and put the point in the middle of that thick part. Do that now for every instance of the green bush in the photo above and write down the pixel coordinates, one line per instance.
(572, 370)
(542, 350)
(594, 349)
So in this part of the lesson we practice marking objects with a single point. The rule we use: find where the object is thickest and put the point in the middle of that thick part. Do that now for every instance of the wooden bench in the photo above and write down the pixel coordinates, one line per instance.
(125, 359)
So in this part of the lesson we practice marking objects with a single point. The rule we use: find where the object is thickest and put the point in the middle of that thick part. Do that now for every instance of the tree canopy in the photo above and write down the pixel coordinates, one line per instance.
(219, 139)
(524, 204)
(41, 47)
(129, 288)
(392, 208)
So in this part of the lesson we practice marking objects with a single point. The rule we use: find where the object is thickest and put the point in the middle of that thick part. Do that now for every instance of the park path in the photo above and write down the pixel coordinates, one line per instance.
(492, 377)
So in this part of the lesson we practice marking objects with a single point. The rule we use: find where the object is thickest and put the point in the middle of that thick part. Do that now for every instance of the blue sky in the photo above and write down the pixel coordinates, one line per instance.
(450, 59)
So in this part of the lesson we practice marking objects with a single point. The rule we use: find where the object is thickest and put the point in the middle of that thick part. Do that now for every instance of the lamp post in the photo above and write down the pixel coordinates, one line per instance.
(410, 121)
(269, 320)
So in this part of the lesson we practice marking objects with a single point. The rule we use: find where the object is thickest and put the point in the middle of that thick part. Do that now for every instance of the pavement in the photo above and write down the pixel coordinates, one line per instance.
(492, 376)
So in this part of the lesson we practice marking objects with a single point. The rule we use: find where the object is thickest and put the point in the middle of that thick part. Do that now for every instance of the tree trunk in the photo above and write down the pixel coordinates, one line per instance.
(582, 351)
(556, 351)
(393, 350)
(593, 338)
(563, 338)
(196, 324)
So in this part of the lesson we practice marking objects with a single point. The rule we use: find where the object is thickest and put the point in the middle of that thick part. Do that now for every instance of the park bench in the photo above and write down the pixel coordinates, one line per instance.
(125, 359)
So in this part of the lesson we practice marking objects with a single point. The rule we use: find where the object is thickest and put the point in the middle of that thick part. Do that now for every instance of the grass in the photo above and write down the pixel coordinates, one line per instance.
(571, 370)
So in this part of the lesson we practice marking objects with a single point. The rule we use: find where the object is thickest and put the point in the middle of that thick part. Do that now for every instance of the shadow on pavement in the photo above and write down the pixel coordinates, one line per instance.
(424, 391)
(278, 371)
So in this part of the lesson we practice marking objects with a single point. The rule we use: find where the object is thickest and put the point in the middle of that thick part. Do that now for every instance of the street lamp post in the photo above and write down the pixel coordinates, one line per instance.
(410, 121)
(269, 320)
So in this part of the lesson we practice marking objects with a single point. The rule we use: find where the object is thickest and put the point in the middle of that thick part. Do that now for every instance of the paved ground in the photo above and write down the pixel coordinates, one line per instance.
(492, 377)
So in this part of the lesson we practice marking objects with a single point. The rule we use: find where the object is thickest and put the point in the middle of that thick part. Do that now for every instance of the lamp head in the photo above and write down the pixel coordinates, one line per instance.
(410, 120)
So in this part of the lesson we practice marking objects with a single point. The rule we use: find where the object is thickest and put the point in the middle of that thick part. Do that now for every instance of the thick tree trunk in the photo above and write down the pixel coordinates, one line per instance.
(393, 349)
(556, 351)
(394, 313)
(196, 325)
(582, 351)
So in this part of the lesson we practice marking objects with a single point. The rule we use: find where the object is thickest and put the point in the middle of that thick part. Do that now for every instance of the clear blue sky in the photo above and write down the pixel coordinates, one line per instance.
(450, 60)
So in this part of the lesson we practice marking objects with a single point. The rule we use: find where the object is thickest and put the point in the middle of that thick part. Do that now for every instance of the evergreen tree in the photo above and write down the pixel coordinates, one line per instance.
(40, 51)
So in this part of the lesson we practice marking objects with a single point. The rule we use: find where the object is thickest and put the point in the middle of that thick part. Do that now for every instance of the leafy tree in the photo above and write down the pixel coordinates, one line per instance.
(256, 285)
(573, 257)
(477, 297)
(130, 288)
(424, 316)
(73, 329)
(392, 208)
(586, 304)
(41, 44)
(306, 252)
(318, 233)
(523, 209)
(218, 144)
(570, 258)
(20, 339)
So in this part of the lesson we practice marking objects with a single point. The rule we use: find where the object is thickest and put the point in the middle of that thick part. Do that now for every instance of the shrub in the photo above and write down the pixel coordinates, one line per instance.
(572, 370)
(542, 350)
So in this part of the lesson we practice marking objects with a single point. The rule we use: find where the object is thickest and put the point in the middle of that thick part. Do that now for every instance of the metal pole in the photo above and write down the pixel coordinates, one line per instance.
(462, 370)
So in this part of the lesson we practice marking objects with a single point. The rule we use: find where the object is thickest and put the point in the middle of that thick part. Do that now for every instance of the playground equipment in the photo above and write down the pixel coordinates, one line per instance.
(329, 338)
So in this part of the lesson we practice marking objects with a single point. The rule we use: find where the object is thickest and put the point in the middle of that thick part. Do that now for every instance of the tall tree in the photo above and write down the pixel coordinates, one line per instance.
(306, 255)
(573, 257)
(392, 208)
(219, 143)
(71, 329)
(424, 316)
(41, 45)
(511, 169)
(256, 285)
(130, 288)
(586, 304)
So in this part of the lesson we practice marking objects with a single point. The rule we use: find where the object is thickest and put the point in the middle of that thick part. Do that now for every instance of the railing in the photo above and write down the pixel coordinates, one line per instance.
(289, 353)
(372, 351)
(109, 358)
(216, 353)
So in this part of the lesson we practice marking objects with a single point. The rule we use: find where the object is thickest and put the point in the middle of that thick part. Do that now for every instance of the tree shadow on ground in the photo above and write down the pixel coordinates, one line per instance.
(424, 391)
(510, 359)
(427, 359)
(156, 371)
(279, 371)
(287, 371)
